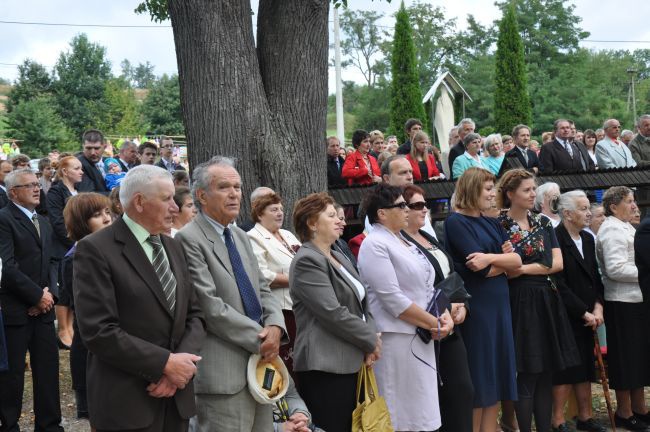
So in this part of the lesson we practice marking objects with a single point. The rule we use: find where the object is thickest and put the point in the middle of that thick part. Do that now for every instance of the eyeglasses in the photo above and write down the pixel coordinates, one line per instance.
(420, 205)
(28, 186)
(402, 205)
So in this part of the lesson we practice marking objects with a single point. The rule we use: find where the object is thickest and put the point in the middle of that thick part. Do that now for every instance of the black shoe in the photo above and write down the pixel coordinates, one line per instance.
(631, 423)
(61, 345)
(590, 425)
(564, 427)
(645, 418)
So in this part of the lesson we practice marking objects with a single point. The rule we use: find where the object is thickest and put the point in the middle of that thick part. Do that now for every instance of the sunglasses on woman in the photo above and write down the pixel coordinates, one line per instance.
(420, 205)
(402, 205)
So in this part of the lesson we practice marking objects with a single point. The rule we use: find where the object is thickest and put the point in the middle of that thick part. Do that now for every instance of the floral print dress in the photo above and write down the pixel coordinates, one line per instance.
(543, 337)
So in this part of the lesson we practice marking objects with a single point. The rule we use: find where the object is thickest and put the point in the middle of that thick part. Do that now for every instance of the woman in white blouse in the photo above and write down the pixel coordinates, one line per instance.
(627, 334)
(274, 249)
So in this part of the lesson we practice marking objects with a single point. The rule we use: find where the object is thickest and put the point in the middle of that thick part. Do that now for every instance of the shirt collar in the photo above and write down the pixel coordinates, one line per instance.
(140, 233)
(216, 225)
(29, 213)
(3, 188)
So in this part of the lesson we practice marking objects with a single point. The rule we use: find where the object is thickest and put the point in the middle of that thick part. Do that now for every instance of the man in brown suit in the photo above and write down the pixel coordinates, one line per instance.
(138, 314)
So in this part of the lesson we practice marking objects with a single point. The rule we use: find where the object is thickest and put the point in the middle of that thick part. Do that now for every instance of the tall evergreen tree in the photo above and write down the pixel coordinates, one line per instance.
(406, 95)
(511, 100)
(33, 81)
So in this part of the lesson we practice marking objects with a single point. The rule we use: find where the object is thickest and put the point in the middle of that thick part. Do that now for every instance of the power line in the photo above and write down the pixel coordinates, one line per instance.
(82, 25)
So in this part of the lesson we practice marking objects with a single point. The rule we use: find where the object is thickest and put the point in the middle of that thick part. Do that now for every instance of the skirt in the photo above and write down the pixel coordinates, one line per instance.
(544, 340)
(409, 386)
(627, 345)
(586, 370)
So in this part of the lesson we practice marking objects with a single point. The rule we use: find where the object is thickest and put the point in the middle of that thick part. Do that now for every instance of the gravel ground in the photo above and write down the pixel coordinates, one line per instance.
(71, 424)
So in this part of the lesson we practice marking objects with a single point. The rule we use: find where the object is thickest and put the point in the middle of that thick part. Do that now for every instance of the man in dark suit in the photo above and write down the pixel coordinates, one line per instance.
(334, 162)
(411, 127)
(5, 169)
(27, 306)
(166, 156)
(564, 154)
(91, 160)
(128, 156)
(138, 314)
(642, 257)
(465, 127)
(525, 157)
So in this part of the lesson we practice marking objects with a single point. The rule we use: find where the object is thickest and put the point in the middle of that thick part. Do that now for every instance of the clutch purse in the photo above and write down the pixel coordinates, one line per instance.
(372, 414)
(450, 290)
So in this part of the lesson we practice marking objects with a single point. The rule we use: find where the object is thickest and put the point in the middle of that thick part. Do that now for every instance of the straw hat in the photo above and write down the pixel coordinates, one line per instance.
(267, 381)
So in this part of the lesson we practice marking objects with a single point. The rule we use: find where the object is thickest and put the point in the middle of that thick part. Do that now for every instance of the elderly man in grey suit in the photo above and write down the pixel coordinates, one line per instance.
(611, 152)
(242, 315)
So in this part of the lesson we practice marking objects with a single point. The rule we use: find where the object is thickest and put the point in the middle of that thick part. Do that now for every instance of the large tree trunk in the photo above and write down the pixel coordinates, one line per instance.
(265, 107)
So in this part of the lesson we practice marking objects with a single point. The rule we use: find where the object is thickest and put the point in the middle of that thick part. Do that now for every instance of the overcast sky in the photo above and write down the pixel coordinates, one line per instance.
(622, 20)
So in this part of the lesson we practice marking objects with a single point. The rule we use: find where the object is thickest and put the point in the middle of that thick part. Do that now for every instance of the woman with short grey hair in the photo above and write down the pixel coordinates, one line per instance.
(546, 201)
(493, 153)
(580, 286)
(628, 350)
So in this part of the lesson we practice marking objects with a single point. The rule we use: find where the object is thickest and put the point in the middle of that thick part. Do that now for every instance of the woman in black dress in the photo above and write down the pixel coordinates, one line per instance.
(582, 293)
(544, 342)
(455, 389)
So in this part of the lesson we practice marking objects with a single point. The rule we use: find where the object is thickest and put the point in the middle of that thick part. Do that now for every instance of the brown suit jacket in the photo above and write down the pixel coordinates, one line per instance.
(128, 328)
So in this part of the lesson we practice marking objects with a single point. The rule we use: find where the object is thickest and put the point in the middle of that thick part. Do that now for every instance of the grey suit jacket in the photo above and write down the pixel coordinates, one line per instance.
(331, 334)
(611, 155)
(232, 336)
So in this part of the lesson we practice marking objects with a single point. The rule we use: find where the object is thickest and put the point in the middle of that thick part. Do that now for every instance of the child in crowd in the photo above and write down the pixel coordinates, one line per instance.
(114, 174)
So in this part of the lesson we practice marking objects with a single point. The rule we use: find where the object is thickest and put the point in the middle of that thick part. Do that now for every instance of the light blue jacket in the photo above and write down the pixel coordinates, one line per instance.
(463, 162)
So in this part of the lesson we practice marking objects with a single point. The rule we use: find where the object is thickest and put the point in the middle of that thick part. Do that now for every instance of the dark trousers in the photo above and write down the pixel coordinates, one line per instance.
(330, 398)
(455, 391)
(39, 339)
(168, 421)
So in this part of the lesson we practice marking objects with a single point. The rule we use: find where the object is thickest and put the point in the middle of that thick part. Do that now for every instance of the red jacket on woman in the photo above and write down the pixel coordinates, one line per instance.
(431, 165)
(355, 170)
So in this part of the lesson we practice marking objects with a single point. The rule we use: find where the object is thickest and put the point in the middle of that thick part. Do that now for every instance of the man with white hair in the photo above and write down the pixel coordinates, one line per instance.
(128, 156)
(611, 152)
(138, 313)
(242, 315)
(627, 136)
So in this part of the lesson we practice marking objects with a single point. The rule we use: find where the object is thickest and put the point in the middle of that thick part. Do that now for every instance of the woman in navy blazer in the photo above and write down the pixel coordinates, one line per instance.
(400, 283)
(68, 174)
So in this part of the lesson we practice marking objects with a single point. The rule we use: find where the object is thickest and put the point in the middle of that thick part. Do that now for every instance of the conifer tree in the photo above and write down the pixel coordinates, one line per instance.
(511, 100)
(406, 95)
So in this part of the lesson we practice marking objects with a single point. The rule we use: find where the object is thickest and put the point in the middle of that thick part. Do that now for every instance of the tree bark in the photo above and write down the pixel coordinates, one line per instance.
(265, 106)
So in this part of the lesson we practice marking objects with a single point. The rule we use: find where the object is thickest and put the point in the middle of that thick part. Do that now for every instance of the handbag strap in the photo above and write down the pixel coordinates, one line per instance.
(372, 391)
(361, 381)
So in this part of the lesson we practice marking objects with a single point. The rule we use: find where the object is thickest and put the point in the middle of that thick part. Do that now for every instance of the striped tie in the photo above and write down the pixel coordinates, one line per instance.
(163, 271)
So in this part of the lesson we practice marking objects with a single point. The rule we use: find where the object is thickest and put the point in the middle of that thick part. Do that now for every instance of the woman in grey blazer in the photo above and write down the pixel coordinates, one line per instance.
(400, 283)
(335, 333)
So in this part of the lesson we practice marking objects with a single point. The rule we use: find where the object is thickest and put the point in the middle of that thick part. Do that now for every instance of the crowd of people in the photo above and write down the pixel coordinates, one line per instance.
(163, 298)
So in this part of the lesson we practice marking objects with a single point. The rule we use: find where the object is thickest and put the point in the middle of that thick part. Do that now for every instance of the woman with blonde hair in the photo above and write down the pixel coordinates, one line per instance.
(476, 244)
(422, 162)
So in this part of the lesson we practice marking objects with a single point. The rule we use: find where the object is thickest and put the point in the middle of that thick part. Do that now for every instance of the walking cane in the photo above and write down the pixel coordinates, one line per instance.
(603, 381)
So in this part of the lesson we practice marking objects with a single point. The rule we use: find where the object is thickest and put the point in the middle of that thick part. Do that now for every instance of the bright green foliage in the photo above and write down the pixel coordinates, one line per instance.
(81, 76)
(361, 42)
(406, 95)
(39, 126)
(118, 113)
(511, 100)
(162, 107)
(33, 81)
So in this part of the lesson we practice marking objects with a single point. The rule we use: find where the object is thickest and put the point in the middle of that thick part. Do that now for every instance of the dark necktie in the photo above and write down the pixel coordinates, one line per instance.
(163, 271)
(249, 299)
(569, 149)
(36, 224)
